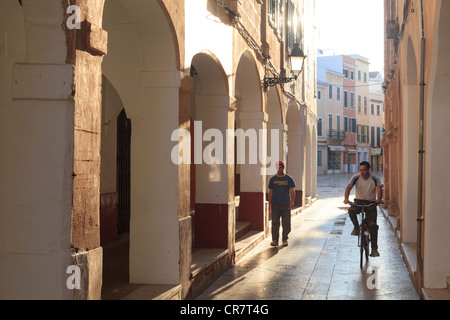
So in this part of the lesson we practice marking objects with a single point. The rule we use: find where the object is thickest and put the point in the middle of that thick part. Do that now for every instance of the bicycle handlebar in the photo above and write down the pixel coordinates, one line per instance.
(364, 205)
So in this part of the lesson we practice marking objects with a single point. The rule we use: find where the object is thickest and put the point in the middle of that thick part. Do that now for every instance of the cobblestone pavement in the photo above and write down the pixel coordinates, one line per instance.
(321, 261)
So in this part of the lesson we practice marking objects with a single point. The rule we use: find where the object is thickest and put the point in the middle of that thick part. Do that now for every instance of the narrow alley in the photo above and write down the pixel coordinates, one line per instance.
(321, 261)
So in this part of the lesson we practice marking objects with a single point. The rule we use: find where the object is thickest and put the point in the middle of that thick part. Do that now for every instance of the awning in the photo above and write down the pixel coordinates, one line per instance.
(336, 148)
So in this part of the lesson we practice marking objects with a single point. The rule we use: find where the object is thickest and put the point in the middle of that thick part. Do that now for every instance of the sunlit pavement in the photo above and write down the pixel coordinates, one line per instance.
(321, 261)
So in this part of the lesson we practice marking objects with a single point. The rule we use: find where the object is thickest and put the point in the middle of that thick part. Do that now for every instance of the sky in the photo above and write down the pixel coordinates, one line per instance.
(352, 27)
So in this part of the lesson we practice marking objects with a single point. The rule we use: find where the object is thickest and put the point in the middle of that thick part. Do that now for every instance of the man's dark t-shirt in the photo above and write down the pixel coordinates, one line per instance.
(281, 187)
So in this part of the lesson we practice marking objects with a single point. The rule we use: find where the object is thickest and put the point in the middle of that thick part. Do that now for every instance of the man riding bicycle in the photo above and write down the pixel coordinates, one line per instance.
(368, 190)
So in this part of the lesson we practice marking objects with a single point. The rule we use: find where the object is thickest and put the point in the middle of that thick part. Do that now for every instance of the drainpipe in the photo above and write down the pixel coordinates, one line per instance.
(421, 153)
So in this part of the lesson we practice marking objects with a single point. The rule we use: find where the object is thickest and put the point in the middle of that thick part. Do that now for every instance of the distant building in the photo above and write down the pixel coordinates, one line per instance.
(376, 119)
(362, 107)
(330, 75)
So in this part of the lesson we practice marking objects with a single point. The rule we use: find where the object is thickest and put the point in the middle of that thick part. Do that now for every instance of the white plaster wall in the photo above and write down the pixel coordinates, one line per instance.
(212, 179)
(36, 164)
(204, 32)
(410, 124)
(437, 185)
(251, 178)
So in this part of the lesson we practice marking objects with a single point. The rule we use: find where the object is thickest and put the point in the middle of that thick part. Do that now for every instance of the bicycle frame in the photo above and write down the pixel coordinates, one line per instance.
(364, 234)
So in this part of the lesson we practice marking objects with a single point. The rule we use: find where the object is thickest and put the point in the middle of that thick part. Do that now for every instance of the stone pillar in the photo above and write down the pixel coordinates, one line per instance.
(184, 218)
(86, 52)
(253, 181)
(155, 208)
(214, 212)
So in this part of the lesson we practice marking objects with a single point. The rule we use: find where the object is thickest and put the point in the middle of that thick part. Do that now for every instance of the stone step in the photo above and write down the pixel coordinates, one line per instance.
(437, 294)
(242, 227)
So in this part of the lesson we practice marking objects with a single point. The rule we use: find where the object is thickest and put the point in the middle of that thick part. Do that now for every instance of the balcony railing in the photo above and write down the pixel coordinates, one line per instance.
(336, 135)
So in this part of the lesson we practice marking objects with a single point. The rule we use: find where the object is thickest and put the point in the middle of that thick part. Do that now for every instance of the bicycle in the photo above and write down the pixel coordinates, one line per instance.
(364, 234)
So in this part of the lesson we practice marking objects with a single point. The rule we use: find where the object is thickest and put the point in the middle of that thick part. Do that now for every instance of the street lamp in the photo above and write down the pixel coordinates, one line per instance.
(297, 60)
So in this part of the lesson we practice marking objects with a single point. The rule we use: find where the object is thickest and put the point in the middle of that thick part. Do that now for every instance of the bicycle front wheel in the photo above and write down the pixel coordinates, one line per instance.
(366, 247)
(362, 247)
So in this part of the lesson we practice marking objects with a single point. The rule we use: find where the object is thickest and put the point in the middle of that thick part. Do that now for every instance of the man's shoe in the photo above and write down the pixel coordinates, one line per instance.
(355, 231)
(374, 253)
(274, 244)
(285, 243)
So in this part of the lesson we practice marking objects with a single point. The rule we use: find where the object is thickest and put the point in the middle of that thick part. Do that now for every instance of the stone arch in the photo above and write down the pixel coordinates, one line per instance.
(250, 119)
(142, 65)
(210, 102)
(410, 125)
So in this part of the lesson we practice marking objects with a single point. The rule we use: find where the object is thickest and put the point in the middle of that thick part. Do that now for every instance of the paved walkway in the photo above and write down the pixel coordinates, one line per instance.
(321, 261)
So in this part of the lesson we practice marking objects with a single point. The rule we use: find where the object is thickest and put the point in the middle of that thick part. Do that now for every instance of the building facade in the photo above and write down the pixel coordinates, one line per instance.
(376, 119)
(417, 46)
(115, 125)
(362, 109)
(337, 74)
(350, 119)
(322, 125)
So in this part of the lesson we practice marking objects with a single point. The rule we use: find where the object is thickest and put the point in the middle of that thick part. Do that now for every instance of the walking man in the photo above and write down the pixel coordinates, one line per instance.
(368, 190)
(281, 200)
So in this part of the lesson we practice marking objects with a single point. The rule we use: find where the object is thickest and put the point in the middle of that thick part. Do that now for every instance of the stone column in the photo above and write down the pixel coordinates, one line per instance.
(253, 181)
(214, 212)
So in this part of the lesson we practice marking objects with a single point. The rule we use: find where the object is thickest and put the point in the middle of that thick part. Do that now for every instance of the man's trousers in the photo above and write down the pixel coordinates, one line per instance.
(283, 212)
(371, 219)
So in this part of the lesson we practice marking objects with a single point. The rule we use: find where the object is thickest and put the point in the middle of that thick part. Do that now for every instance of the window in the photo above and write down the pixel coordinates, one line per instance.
(319, 94)
(365, 76)
(353, 125)
(372, 109)
(372, 136)
(319, 127)
(352, 100)
(378, 109)
(352, 75)
(338, 123)
(346, 124)
(359, 104)
(378, 137)
(330, 91)
(319, 158)
(330, 125)
(359, 75)
(338, 93)
(345, 73)
(362, 136)
(276, 17)
(345, 99)
(293, 25)
(365, 105)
